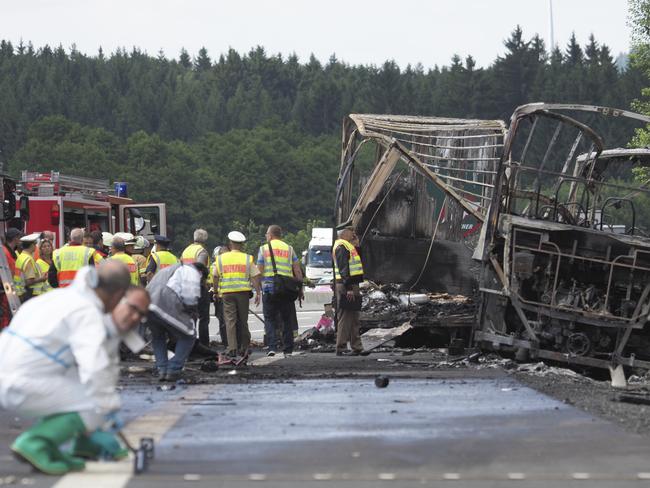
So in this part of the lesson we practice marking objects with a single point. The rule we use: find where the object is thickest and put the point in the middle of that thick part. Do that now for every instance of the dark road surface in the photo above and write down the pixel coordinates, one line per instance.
(346, 432)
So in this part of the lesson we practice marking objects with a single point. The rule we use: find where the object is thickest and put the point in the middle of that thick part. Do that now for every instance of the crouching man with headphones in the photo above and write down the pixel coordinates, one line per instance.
(59, 362)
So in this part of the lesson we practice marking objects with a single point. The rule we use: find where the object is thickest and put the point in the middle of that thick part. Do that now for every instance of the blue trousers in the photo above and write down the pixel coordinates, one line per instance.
(277, 314)
(160, 332)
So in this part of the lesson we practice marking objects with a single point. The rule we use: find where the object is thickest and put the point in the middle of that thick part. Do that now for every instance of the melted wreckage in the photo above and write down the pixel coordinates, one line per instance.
(548, 226)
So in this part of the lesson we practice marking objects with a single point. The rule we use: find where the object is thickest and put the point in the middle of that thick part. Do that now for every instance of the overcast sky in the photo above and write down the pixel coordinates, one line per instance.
(357, 31)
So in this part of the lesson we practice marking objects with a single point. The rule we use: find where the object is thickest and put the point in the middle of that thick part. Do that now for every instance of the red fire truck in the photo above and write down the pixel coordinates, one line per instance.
(59, 203)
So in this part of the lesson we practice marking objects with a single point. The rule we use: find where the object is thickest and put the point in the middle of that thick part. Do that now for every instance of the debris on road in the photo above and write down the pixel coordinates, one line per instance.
(381, 381)
(386, 306)
(376, 337)
(635, 398)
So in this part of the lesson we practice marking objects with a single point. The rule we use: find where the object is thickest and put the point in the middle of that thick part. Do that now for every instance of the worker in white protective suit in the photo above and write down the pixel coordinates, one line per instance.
(57, 362)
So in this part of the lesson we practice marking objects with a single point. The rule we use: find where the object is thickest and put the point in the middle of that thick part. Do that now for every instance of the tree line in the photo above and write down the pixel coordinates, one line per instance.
(255, 138)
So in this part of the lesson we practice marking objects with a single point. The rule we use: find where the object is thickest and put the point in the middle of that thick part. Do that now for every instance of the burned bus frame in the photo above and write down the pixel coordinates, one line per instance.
(557, 282)
(428, 176)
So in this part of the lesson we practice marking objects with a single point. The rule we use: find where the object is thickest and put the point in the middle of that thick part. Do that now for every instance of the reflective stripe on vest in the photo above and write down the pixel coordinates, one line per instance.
(163, 259)
(19, 276)
(191, 253)
(282, 255)
(356, 268)
(68, 260)
(130, 263)
(234, 269)
(44, 267)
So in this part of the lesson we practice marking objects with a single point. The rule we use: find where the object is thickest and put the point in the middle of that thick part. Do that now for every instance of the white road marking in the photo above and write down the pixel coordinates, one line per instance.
(386, 476)
(451, 476)
(516, 476)
(257, 477)
(322, 476)
(155, 424)
(192, 477)
(581, 476)
(643, 476)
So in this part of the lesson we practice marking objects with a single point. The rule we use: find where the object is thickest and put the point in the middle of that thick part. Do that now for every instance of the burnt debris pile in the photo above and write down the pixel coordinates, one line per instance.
(387, 306)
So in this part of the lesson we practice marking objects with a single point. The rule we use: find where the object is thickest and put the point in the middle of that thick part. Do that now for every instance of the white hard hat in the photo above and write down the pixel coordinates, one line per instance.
(126, 236)
(236, 236)
(141, 243)
(107, 239)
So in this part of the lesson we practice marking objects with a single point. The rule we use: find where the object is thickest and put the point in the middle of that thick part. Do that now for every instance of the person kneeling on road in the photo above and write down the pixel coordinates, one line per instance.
(59, 361)
(175, 292)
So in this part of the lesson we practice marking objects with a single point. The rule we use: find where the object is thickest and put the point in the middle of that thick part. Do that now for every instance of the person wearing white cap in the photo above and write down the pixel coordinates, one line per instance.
(33, 277)
(235, 277)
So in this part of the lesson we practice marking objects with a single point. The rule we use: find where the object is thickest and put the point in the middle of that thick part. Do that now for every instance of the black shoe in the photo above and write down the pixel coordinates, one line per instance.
(161, 375)
(173, 376)
(351, 353)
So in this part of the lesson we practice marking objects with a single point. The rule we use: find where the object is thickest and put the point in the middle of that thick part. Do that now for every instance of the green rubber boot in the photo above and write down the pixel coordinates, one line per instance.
(98, 445)
(75, 463)
(39, 445)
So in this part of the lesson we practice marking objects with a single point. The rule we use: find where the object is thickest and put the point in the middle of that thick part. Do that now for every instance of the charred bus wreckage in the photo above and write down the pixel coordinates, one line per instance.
(544, 223)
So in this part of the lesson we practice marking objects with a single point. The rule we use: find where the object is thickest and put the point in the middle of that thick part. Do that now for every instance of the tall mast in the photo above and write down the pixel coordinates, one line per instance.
(550, 13)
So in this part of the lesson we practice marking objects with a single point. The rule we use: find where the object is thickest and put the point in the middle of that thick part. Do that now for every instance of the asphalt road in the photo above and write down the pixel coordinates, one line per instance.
(306, 320)
(427, 428)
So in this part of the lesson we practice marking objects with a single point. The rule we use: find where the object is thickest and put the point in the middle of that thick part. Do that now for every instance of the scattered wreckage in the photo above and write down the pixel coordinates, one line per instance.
(544, 223)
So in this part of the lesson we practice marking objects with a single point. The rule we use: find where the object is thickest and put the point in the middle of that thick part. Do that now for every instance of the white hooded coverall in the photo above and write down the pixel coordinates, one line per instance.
(59, 354)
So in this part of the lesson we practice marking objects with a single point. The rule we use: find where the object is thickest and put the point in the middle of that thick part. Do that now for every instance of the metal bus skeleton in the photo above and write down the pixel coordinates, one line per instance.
(563, 256)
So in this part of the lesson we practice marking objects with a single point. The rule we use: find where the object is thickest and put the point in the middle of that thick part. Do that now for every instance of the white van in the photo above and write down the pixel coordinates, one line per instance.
(318, 257)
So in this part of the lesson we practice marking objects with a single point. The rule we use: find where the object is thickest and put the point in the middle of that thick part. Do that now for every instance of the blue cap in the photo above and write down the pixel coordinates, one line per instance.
(161, 239)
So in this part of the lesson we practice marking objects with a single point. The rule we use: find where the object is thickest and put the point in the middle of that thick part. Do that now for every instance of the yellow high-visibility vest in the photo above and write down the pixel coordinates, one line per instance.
(19, 277)
(44, 266)
(97, 258)
(130, 263)
(190, 255)
(234, 270)
(140, 262)
(68, 260)
(24, 262)
(356, 268)
(163, 259)
(282, 255)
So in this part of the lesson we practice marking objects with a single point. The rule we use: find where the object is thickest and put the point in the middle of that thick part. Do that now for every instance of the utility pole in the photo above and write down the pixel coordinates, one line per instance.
(550, 12)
